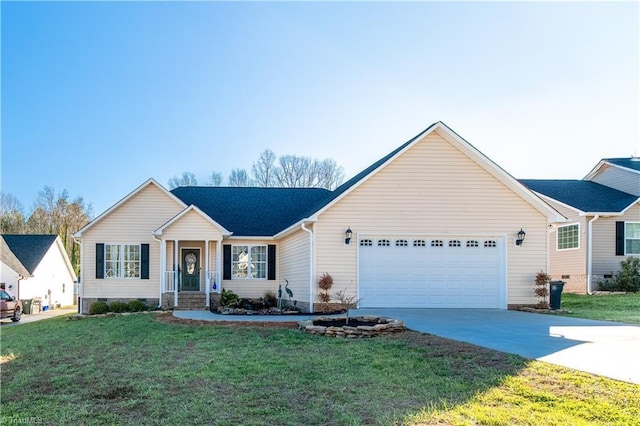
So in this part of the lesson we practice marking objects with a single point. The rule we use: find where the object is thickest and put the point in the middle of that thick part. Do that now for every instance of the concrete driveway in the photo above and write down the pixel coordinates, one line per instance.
(604, 348)
(39, 316)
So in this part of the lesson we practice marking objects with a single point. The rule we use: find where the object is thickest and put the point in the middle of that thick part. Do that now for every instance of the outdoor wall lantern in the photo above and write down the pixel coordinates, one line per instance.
(347, 236)
(521, 235)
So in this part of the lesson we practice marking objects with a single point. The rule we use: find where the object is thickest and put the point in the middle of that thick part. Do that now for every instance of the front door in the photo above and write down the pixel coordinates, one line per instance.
(190, 269)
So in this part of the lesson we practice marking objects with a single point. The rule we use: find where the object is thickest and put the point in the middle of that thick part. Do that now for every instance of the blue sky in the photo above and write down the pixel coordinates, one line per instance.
(97, 97)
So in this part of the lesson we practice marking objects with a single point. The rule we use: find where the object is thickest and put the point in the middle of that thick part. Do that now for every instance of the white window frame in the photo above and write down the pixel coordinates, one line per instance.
(558, 237)
(250, 264)
(626, 239)
(123, 263)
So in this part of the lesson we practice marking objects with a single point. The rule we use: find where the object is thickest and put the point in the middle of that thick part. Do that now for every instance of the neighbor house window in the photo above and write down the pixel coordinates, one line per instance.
(632, 238)
(122, 261)
(568, 237)
(249, 262)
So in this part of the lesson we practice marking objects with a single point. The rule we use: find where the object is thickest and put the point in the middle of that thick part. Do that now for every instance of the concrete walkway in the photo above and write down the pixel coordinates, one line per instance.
(604, 348)
(52, 313)
(607, 349)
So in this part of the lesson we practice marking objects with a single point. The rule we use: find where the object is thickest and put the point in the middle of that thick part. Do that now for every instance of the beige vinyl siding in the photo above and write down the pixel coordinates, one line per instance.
(133, 222)
(605, 260)
(573, 261)
(253, 288)
(192, 226)
(620, 179)
(294, 264)
(433, 188)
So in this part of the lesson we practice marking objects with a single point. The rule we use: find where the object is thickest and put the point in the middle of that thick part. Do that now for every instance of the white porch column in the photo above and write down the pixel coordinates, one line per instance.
(176, 274)
(219, 265)
(206, 273)
(163, 267)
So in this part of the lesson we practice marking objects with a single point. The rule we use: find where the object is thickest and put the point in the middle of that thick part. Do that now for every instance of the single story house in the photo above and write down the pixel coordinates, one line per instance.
(603, 226)
(37, 266)
(434, 223)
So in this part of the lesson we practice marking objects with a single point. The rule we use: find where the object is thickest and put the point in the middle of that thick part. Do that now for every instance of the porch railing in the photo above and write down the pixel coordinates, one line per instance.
(169, 282)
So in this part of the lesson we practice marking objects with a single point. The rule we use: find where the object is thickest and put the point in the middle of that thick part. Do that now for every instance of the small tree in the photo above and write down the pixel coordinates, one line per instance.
(347, 301)
(541, 290)
(325, 283)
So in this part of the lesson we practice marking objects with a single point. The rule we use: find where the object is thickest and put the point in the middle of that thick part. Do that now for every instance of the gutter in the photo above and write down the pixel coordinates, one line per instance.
(80, 278)
(590, 252)
(162, 268)
(310, 265)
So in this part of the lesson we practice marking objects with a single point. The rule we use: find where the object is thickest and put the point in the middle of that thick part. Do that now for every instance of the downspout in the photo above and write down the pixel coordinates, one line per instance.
(80, 277)
(162, 256)
(590, 252)
(310, 265)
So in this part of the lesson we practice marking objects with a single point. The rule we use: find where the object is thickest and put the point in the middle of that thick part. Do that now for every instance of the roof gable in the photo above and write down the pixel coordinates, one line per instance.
(582, 195)
(631, 164)
(29, 249)
(250, 211)
(186, 212)
(469, 150)
(124, 200)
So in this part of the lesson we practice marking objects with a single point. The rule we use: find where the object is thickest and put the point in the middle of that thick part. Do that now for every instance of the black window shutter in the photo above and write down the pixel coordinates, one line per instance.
(144, 261)
(619, 238)
(99, 260)
(226, 262)
(271, 262)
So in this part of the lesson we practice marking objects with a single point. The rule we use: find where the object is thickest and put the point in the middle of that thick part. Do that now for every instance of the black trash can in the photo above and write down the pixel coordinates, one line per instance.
(26, 306)
(555, 294)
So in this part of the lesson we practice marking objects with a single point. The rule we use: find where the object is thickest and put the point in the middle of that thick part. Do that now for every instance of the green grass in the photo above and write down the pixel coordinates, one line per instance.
(139, 370)
(614, 307)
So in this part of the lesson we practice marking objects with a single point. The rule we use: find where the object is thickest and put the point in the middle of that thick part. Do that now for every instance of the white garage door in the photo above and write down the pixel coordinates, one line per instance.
(431, 272)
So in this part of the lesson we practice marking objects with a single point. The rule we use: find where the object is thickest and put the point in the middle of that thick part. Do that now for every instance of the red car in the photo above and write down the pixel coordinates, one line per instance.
(9, 307)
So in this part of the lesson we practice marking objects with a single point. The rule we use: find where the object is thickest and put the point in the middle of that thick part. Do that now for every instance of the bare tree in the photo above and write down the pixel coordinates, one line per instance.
(187, 179)
(239, 177)
(264, 169)
(215, 179)
(305, 172)
(11, 215)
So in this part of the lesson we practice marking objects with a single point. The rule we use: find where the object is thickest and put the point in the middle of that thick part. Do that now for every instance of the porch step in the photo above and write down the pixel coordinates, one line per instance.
(191, 301)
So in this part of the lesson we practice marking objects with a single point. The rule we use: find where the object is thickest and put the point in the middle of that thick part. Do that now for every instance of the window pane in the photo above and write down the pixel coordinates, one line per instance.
(132, 261)
(568, 237)
(632, 230)
(112, 261)
(633, 247)
(240, 262)
(259, 270)
(259, 254)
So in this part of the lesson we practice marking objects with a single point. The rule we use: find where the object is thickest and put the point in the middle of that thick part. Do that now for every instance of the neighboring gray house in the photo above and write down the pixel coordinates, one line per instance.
(603, 227)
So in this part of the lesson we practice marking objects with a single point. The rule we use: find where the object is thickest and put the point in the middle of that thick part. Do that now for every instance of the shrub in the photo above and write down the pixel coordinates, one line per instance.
(325, 283)
(627, 279)
(228, 297)
(541, 290)
(137, 306)
(98, 308)
(270, 299)
(118, 306)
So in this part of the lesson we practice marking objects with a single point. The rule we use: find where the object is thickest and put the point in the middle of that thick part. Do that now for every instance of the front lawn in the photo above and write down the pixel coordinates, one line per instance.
(614, 307)
(140, 370)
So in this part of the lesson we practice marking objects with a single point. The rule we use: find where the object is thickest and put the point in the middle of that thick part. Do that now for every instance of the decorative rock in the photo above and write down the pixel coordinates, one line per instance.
(380, 326)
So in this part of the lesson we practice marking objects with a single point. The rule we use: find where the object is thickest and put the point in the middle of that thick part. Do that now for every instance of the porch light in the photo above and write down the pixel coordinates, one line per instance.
(347, 236)
(521, 235)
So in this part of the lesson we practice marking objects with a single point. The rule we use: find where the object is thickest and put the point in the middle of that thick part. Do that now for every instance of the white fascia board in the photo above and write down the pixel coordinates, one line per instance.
(250, 238)
(603, 163)
(295, 227)
(148, 182)
(629, 206)
(192, 207)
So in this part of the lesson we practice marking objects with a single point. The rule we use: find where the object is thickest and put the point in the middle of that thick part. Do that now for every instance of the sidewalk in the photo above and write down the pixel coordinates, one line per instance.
(52, 313)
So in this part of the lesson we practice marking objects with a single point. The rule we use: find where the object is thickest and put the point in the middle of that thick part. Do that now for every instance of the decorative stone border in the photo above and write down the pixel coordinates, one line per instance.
(383, 326)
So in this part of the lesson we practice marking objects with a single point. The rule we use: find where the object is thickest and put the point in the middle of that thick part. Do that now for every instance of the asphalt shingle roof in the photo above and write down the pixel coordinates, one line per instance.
(29, 249)
(583, 195)
(630, 163)
(249, 211)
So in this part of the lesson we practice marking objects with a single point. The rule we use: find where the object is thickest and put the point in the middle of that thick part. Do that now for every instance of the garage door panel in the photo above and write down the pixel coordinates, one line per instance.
(444, 272)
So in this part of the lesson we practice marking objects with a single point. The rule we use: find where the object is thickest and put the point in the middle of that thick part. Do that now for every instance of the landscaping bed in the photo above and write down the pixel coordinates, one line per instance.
(352, 328)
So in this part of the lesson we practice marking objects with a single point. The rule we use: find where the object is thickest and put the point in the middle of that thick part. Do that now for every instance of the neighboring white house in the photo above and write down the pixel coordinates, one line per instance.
(37, 266)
